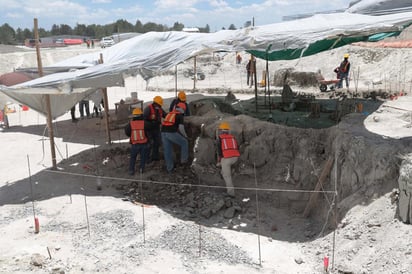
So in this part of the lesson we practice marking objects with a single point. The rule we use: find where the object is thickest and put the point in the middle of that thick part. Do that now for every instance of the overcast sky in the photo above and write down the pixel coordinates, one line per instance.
(192, 13)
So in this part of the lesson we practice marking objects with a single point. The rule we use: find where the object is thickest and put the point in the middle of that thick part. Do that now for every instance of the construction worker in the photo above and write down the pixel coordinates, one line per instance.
(173, 132)
(180, 102)
(343, 72)
(250, 70)
(136, 129)
(228, 154)
(153, 114)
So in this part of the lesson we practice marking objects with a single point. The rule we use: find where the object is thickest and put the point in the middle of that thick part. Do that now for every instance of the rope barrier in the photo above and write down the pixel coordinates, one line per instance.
(189, 185)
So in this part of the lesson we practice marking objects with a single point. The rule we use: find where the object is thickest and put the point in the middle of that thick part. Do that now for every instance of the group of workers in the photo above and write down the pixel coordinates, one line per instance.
(153, 127)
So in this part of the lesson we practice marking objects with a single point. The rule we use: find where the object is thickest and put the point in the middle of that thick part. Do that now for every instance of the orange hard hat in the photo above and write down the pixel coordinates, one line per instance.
(158, 100)
(224, 126)
(137, 111)
(182, 96)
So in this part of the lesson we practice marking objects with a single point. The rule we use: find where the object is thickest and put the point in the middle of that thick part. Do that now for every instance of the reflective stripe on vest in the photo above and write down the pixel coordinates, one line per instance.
(170, 118)
(344, 66)
(137, 135)
(229, 146)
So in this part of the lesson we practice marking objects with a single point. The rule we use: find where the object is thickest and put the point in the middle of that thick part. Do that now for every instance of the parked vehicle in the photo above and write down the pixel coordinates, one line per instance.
(106, 42)
(190, 73)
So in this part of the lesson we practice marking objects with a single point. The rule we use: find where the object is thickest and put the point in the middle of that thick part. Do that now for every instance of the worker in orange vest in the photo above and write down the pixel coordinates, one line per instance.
(180, 102)
(173, 132)
(343, 72)
(228, 154)
(154, 113)
(136, 130)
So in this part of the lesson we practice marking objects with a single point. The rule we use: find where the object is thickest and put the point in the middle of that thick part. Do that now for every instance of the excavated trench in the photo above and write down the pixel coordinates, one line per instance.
(345, 162)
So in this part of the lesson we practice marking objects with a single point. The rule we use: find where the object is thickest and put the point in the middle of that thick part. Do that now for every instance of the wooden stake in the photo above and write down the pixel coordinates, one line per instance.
(46, 97)
(106, 108)
(314, 195)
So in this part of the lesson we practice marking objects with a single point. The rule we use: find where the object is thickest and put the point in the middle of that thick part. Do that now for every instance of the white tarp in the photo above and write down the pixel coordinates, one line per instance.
(154, 52)
(380, 7)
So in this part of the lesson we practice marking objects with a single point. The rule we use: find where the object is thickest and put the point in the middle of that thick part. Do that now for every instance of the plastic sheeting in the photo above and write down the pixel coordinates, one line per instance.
(152, 53)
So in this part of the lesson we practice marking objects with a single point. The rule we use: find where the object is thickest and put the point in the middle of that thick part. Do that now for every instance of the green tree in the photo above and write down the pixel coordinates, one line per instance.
(27, 34)
(7, 35)
(150, 26)
(247, 24)
(80, 29)
(178, 26)
(90, 31)
(232, 27)
(43, 32)
(123, 26)
(206, 29)
(138, 27)
(55, 30)
(65, 29)
(20, 36)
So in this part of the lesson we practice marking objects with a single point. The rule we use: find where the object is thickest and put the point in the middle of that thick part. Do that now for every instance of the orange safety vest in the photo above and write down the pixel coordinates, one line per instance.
(344, 66)
(229, 146)
(137, 135)
(152, 115)
(170, 118)
(181, 105)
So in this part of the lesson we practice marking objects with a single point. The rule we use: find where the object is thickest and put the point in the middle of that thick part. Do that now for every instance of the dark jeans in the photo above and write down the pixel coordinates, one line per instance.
(170, 138)
(343, 76)
(84, 104)
(134, 151)
(156, 141)
(250, 76)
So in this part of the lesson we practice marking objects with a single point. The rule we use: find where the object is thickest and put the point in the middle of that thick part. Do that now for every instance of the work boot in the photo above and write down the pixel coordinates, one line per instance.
(231, 192)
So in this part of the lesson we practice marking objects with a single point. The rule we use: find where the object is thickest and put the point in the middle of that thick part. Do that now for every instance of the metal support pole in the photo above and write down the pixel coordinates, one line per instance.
(106, 107)
(194, 74)
(257, 214)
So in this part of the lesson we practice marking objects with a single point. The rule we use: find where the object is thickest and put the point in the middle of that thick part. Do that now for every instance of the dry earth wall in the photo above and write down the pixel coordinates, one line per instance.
(365, 165)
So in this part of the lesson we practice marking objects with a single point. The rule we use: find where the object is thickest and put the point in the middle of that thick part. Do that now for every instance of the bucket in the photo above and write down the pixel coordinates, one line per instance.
(359, 107)
(36, 225)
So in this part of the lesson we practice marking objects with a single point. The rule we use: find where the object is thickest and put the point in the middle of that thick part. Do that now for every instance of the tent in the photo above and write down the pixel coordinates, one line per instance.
(152, 53)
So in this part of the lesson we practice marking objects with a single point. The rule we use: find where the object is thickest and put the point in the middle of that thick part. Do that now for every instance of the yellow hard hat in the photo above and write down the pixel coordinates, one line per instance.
(346, 55)
(137, 111)
(158, 100)
(224, 126)
(182, 96)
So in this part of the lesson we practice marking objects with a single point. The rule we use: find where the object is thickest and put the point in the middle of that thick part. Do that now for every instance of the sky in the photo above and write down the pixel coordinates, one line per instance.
(217, 14)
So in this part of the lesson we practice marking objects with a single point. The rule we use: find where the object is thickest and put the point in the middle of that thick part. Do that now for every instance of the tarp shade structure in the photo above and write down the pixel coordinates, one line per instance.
(152, 53)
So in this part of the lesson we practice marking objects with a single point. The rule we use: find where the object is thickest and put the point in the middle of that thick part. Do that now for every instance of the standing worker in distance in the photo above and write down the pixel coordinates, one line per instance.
(180, 102)
(153, 114)
(136, 129)
(250, 70)
(173, 132)
(228, 154)
(343, 71)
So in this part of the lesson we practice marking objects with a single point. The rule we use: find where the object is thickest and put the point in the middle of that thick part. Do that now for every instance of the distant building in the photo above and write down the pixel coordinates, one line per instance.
(190, 30)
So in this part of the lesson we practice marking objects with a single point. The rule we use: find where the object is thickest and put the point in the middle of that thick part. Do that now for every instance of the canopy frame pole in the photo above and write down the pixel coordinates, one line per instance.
(194, 74)
(46, 96)
(106, 107)
(267, 77)
(255, 79)
(176, 81)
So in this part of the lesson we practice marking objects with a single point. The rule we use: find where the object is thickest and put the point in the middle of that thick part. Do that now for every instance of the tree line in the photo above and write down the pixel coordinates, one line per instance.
(9, 36)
